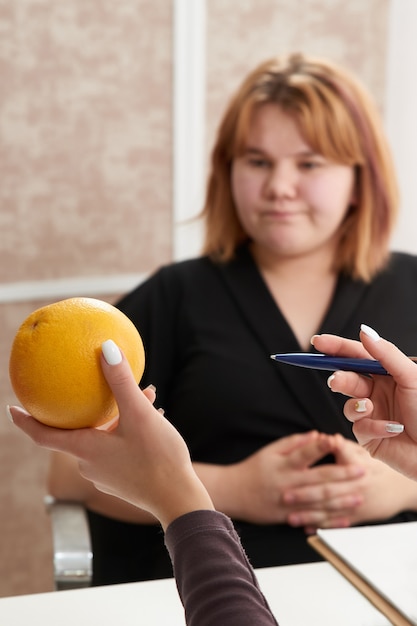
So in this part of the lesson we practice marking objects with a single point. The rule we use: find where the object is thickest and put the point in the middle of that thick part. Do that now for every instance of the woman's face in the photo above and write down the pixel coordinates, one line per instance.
(290, 200)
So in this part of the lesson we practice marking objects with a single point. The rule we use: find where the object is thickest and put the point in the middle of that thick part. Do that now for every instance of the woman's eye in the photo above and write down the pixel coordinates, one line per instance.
(309, 165)
(254, 162)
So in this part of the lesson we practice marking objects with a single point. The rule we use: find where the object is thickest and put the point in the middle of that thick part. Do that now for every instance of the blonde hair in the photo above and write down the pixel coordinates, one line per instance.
(338, 119)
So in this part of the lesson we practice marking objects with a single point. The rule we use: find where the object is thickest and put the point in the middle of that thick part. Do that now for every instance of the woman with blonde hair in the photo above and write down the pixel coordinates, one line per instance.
(301, 204)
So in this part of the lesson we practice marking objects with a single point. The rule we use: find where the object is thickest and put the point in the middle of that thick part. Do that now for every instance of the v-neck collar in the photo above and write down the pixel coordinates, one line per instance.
(266, 322)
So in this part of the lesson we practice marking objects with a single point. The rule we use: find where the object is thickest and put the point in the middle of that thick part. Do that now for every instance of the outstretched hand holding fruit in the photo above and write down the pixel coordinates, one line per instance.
(61, 378)
(383, 409)
(144, 460)
(139, 457)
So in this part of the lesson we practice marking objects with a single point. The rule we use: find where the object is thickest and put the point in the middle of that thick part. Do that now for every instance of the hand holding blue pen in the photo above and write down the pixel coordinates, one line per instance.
(383, 409)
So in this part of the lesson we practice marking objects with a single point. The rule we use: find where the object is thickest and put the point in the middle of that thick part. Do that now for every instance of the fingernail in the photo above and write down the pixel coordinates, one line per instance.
(330, 380)
(370, 332)
(294, 519)
(312, 339)
(288, 497)
(358, 471)
(394, 428)
(9, 414)
(151, 387)
(111, 352)
(360, 406)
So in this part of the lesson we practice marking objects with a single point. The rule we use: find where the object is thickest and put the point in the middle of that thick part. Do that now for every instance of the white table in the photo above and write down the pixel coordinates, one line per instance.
(298, 594)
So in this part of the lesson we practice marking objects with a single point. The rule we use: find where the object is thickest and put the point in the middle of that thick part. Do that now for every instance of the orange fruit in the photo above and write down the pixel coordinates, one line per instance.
(54, 364)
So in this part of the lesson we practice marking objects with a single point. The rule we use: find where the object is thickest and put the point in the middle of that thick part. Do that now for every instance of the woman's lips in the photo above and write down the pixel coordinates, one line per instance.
(280, 214)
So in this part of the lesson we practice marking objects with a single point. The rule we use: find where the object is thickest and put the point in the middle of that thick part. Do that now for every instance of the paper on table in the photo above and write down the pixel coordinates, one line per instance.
(385, 556)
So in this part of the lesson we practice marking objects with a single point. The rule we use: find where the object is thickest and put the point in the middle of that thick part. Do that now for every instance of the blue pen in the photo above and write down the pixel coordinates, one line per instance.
(326, 362)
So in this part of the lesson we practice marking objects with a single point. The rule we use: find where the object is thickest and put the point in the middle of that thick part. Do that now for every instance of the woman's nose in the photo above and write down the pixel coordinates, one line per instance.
(281, 182)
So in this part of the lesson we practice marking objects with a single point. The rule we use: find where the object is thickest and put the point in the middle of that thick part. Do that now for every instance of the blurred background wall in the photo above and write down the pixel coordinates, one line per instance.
(107, 115)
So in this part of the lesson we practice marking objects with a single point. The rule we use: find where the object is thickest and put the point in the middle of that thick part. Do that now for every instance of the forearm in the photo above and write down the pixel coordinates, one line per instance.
(407, 490)
(215, 581)
(66, 483)
(222, 483)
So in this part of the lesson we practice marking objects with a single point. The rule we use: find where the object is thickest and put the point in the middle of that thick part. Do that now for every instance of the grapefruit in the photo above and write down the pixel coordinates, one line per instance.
(54, 363)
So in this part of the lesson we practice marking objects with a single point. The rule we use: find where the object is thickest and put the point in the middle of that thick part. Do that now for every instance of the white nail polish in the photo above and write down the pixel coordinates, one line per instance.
(111, 352)
(330, 380)
(9, 415)
(360, 406)
(370, 332)
(394, 428)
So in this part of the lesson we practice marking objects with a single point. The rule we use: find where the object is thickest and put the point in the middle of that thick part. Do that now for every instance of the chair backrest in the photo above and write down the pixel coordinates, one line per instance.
(73, 556)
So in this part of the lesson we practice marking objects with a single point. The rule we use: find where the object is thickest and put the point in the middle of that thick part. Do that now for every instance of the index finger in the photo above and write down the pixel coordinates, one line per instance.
(339, 346)
(313, 450)
(71, 441)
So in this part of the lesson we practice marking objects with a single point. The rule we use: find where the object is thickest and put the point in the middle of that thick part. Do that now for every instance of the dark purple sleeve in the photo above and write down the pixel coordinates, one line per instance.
(215, 581)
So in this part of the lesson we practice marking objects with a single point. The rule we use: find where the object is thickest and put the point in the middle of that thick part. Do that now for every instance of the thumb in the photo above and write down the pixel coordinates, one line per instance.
(119, 376)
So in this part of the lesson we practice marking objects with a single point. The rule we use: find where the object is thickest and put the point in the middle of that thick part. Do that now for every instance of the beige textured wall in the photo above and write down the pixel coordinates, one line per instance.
(85, 190)
(85, 162)
(241, 35)
(85, 137)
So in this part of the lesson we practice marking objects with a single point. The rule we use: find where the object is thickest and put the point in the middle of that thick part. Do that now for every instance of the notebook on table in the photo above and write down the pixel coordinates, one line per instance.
(381, 561)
